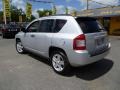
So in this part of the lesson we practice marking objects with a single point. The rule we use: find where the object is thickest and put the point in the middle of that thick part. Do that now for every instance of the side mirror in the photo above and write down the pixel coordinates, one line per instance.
(23, 29)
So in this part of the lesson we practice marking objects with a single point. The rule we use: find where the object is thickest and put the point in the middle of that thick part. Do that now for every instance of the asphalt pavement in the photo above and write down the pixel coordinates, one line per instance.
(31, 72)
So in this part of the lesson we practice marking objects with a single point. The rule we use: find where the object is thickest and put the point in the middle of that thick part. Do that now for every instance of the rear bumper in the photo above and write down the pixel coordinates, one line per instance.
(81, 58)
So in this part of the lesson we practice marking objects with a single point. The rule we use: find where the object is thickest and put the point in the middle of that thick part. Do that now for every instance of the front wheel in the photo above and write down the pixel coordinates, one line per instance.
(19, 47)
(60, 62)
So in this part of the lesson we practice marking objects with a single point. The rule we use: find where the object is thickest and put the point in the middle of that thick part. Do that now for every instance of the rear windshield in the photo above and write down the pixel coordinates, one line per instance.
(89, 25)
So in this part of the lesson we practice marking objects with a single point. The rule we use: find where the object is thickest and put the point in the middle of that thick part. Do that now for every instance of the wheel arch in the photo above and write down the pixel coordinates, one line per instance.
(18, 39)
(53, 48)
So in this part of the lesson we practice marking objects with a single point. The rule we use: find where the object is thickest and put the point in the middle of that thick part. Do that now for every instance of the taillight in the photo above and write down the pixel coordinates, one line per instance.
(79, 42)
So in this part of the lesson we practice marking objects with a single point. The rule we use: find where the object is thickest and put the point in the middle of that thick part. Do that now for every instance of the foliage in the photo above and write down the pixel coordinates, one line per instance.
(66, 10)
(44, 13)
(15, 13)
(1, 16)
(74, 13)
(54, 10)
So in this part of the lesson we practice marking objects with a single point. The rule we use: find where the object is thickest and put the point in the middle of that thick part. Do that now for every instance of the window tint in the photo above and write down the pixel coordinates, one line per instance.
(59, 24)
(33, 27)
(90, 25)
(46, 26)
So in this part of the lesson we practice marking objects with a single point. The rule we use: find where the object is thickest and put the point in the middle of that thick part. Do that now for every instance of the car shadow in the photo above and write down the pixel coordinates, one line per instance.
(39, 58)
(7, 37)
(88, 72)
(93, 71)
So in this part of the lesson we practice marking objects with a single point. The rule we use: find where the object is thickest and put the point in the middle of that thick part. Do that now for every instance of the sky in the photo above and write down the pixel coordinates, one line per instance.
(61, 4)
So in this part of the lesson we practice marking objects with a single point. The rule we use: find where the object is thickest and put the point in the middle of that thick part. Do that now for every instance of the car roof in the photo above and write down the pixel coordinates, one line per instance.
(64, 16)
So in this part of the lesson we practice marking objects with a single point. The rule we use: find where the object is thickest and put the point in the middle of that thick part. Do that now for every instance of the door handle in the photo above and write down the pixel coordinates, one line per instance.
(32, 35)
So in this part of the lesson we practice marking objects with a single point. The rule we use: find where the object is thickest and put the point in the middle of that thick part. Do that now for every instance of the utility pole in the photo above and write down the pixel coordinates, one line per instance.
(119, 3)
(53, 8)
(87, 4)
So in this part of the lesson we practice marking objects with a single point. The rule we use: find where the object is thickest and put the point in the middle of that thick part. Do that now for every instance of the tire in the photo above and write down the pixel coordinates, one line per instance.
(60, 62)
(19, 47)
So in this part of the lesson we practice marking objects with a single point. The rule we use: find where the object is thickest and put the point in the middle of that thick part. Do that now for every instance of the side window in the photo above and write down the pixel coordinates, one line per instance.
(33, 27)
(46, 25)
(59, 24)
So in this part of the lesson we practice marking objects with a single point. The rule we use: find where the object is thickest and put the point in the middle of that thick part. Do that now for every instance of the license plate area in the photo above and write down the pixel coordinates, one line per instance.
(99, 41)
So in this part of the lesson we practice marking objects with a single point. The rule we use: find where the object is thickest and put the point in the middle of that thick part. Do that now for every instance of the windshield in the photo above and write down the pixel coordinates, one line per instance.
(90, 25)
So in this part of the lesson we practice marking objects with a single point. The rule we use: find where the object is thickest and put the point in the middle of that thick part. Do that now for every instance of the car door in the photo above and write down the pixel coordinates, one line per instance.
(43, 38)
(30, 36)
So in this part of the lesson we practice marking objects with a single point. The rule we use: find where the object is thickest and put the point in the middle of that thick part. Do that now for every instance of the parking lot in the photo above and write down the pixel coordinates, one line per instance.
(31, 72)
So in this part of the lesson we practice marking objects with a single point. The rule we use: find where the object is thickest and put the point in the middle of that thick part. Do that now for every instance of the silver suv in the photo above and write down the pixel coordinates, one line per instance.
(65, 40)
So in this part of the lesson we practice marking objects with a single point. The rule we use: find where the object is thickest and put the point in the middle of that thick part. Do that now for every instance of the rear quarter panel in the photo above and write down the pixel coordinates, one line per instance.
(64, 38)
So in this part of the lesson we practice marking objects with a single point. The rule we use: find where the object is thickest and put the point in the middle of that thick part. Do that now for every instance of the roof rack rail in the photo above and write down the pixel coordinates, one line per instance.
(58, 15)
(62, 15)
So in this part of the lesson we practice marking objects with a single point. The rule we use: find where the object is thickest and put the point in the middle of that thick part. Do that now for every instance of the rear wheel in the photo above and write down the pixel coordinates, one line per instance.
(60, 62)
(19, 47)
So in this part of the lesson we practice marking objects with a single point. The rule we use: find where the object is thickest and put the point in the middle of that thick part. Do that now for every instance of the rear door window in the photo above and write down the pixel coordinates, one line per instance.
(59, 25)
(89, 25)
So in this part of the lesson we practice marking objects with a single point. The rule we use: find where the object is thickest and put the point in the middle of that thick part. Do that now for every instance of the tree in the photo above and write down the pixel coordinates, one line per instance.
(66, 10)
(1, 16)
(44, 13)
(74, 13)
(54, 10)
(15, 13)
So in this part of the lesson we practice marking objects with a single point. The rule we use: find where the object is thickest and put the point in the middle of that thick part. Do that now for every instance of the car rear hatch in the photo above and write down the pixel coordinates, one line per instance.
(95, 35)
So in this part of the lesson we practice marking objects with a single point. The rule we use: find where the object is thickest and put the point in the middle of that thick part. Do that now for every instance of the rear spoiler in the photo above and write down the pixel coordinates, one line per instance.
(85, 18)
